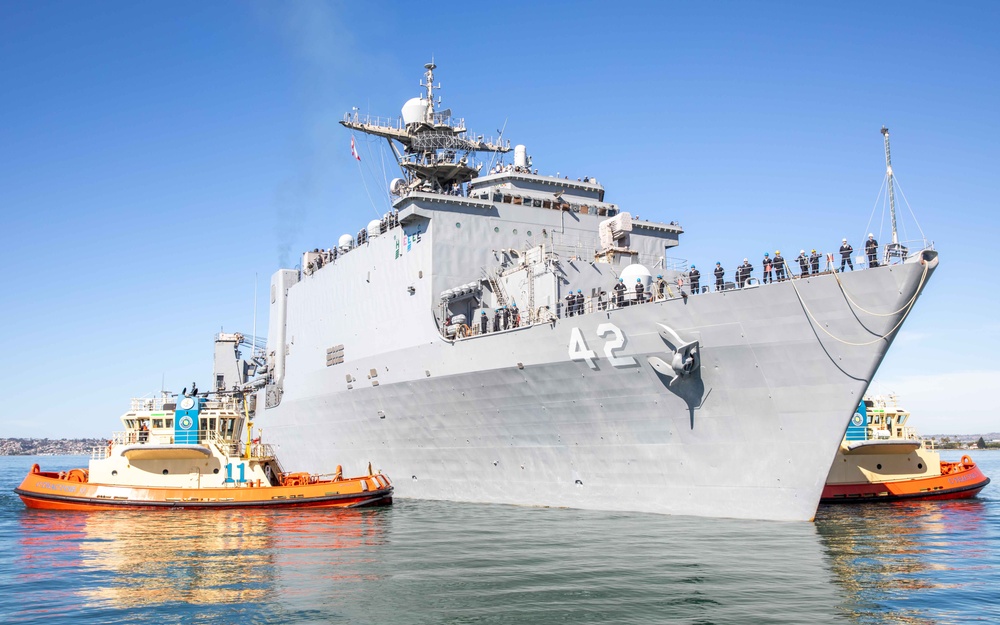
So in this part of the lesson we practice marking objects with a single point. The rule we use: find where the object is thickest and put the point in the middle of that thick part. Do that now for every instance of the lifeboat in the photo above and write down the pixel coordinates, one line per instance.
(882, 459)
(187, 453)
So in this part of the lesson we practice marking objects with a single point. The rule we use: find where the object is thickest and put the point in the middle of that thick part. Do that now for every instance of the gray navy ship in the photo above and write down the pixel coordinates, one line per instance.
(501, 336)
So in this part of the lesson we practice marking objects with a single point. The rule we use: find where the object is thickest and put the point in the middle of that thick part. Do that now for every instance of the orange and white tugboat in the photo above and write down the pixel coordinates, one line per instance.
(186, 452)
(883, 459)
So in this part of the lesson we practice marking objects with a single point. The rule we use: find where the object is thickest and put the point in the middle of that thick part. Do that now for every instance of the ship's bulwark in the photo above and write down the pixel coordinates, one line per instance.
(512, 418)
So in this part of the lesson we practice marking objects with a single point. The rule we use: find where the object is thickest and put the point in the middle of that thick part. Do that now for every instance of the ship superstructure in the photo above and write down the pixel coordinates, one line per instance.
(500, 337)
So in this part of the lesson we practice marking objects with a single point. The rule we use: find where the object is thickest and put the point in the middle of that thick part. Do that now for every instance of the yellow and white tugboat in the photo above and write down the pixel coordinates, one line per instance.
(186, 452)
(883, 459)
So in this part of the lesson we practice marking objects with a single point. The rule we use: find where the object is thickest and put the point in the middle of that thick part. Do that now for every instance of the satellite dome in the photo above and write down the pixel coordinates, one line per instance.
(374, 228)
(634, 274)
(345, 241)
(413, 110)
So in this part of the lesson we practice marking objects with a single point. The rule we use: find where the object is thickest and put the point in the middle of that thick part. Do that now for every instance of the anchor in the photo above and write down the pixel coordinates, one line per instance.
(685, 360)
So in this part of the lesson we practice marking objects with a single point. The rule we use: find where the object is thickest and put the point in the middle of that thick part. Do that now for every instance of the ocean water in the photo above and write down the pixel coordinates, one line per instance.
(431, 562)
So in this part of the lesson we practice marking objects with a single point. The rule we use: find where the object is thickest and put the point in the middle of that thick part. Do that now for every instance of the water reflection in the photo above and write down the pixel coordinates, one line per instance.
(894, 559)
(209, 558)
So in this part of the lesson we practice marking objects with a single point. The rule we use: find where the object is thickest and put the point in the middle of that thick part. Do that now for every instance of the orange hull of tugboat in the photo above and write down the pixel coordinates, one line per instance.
(70, 490)
(958, 480)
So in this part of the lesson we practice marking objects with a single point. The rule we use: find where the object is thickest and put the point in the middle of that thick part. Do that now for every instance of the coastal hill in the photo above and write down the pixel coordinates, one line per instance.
(49, 446)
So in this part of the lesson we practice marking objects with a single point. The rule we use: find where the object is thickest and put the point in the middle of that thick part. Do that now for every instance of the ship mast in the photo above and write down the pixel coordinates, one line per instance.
(894, 249)
(892, 193)
(438, 151)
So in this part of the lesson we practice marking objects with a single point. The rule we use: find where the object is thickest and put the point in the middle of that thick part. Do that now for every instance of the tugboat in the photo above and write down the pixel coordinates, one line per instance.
(883, 459)
(186, 452)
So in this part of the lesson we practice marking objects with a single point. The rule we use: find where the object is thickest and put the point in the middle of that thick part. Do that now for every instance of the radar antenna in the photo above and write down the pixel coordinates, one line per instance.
(439, 154)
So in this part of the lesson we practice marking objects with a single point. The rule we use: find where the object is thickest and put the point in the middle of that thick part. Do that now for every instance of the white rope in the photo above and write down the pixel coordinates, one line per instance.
(874, 314)
(365, 183)
(911, 210)
(908, 307)
(875, 206)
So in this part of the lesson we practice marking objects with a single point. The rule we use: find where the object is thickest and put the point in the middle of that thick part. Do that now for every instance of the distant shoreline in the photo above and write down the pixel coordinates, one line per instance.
(49, 446)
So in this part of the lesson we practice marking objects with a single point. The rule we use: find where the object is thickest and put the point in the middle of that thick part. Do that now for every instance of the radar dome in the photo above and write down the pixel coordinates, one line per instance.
(374, 228)
(413, 110)
(633, 272)
(345, 241)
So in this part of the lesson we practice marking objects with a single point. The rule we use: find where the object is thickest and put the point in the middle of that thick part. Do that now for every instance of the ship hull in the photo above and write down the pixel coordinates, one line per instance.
(47, 491)
(961, 480)
(520, 418)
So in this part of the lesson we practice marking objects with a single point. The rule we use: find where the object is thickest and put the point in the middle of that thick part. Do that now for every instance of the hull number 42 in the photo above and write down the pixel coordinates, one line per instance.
(615, 342)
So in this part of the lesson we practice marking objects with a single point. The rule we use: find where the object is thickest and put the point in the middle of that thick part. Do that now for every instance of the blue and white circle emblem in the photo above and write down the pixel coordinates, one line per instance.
(857, 419)
(186, 422)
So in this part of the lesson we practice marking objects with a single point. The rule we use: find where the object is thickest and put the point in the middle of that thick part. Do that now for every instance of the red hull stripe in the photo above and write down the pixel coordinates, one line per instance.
(959, 492)
(345, 501)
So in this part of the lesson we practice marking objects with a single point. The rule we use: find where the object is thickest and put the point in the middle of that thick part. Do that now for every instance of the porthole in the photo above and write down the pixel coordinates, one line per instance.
(115, 472)
(878, 466)
(515, 230)
(165, 472)
(529, 233)
(545, 234)
(216, 471)
(496, 228)
(458, 224)
(920, 465)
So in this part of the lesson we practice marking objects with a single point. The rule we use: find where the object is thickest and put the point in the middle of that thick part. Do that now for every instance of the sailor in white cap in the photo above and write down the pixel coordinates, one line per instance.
(871, 249)
(845, 256)
(803, 262)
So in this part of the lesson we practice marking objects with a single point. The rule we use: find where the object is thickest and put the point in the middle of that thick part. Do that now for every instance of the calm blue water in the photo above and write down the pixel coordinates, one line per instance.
(426, 562)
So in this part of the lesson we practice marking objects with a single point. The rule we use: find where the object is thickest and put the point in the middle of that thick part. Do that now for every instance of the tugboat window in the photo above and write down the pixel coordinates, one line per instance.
(216, 471)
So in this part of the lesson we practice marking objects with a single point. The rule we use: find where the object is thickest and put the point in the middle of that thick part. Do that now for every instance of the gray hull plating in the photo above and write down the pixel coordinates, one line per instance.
(517, 417)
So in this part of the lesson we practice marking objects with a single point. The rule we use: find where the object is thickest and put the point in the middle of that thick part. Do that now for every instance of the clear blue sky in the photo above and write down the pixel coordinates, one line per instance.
(154, 157)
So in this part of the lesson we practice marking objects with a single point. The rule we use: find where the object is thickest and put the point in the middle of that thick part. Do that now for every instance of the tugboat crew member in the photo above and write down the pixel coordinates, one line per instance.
(845, 256)
(871, 249)
(695, 277)
(720, 277)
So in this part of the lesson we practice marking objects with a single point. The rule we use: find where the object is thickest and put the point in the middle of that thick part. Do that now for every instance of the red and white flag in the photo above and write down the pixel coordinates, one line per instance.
(354, 151)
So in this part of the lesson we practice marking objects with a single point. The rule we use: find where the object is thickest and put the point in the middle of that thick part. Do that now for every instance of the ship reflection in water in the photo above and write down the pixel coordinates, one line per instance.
(433, 562)
(913, 562)
(175, 561)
